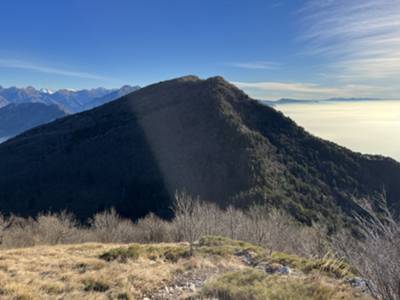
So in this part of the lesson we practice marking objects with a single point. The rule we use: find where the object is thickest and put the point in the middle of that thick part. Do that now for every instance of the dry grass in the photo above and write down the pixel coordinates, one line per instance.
(120, 271)
(253, 284)
(78, 272)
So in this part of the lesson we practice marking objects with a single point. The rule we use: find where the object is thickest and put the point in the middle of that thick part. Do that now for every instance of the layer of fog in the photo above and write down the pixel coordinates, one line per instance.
(368, 126)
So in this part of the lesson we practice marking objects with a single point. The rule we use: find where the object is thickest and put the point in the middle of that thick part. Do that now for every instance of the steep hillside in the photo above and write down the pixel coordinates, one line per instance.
(16, 118)
(205, 136)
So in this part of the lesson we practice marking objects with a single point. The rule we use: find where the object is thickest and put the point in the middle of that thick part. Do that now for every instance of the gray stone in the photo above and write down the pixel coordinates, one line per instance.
(284, 270)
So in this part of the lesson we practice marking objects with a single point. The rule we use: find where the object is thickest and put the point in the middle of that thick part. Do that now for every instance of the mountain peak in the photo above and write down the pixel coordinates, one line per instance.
(187, 78)
(194, 78)
(46, 91)
(218, 79)
(202, 136)
(190, 81)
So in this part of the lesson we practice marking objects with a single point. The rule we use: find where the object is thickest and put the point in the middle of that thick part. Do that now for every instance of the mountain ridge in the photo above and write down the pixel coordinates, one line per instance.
(17, 118)
(204, 136)
(71, 100)
(15, 104)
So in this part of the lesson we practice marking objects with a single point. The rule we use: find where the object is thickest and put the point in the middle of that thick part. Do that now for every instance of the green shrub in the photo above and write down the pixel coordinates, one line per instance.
(122, 254)
(123, 296)
(222, 246)
(173, 255)
(94, 285)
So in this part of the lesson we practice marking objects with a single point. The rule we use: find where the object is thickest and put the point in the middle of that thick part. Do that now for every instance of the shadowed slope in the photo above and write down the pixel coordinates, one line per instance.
(16, 118)
(205, 136)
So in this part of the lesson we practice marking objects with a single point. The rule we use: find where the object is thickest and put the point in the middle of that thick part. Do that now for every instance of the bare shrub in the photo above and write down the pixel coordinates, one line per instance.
(287, 235)
(53, 228)
(232, 220)
(109, 227)
(260, 225)
(189, 218)
(376, 257)
(152, 229)
(4, 224)
(21, 233)
(273, 229)
(256, 225)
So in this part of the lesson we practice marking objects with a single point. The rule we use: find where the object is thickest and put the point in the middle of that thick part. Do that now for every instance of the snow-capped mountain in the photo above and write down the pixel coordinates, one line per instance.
(24, 108)
(46, 91)
(69, 100)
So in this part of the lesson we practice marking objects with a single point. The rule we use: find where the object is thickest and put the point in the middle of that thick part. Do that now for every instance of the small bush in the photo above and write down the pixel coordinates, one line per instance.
(53, 288)
(55, 228)
(223, 246)
(109, 227)
(123, 296)
(95, 285)
(173, 255)
(122, 254)
(152, 229)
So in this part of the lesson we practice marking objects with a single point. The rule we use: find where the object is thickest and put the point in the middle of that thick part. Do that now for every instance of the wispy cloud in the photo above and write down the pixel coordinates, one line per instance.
(255, 65)
(288, 87)
(17, 64)
(301, 90)
(360, 38)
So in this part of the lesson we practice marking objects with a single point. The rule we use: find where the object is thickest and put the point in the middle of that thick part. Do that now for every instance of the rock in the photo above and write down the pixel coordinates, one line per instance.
(271, 268)
(192, 287)
(246, 257)
(274, 268)
(284, 270)
(358, 282)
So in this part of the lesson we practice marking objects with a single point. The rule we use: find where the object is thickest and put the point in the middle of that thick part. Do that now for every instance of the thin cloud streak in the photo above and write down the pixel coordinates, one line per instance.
(283, 86)
(301, 90)
(256, 65)
(17, 64)
(360, 38)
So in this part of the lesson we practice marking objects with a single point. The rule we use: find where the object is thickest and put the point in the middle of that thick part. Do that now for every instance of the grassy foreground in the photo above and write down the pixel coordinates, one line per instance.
(220, 269)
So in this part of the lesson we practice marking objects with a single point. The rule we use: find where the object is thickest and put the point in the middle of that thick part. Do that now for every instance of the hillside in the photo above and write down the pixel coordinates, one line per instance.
(204, 136)
(221, 268)
(16, 118)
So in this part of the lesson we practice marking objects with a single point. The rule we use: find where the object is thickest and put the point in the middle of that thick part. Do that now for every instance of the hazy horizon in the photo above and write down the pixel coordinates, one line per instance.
(369, 127)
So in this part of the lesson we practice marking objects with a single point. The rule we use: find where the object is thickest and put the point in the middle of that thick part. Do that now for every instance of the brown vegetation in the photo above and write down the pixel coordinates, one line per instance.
(267, 235)
(137, 271)
(376, 255)
(269, 228)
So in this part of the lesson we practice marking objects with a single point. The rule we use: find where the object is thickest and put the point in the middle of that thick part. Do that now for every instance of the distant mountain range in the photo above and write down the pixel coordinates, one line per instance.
(308, 101)
(25, 108)
(71, 101)
(203, 136)
(17, 118)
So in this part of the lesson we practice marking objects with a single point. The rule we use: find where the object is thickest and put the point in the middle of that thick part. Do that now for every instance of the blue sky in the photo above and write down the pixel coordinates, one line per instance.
(270, 48)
